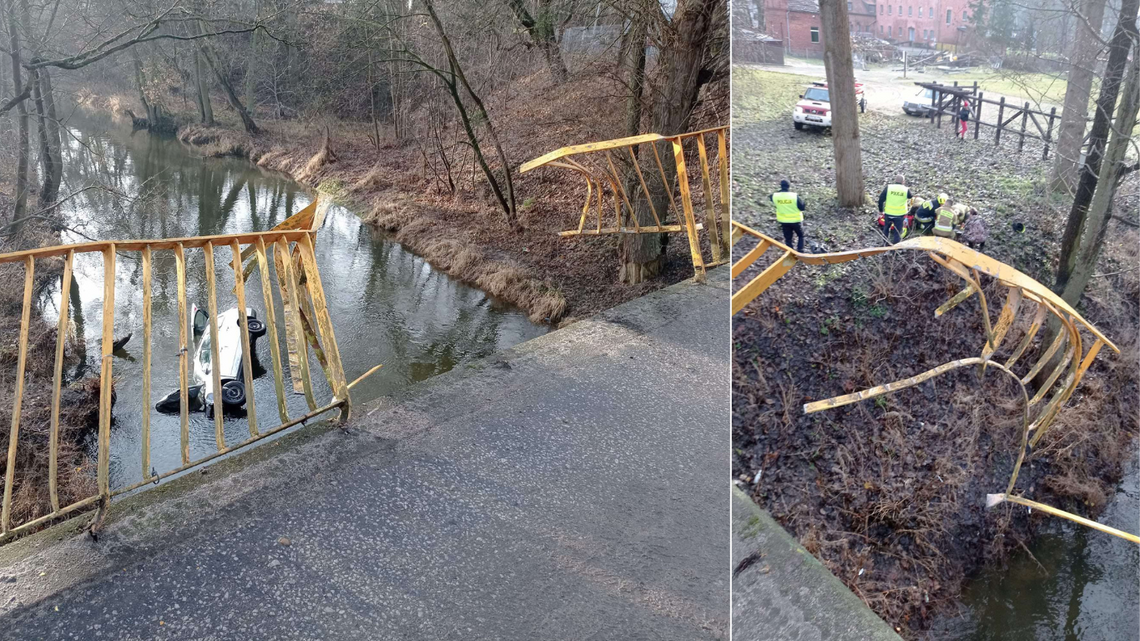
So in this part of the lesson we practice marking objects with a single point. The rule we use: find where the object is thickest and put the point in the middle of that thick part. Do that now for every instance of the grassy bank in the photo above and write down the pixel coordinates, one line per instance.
(890, 494)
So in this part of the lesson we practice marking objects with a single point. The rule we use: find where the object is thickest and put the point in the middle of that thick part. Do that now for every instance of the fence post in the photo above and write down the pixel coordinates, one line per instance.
(978, 117)
(1049, 133)
(941, 105)
(1000, 121)
(934, 95)
(1024, 118)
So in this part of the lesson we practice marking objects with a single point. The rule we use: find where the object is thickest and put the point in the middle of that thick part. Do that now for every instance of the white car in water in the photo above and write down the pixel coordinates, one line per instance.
(201, 395)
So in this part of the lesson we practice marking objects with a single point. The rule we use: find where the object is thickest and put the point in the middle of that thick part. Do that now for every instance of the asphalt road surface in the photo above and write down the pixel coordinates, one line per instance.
(574, 487)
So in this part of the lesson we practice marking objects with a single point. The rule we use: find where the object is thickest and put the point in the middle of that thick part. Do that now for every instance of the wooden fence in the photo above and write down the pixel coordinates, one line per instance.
(1010, 118)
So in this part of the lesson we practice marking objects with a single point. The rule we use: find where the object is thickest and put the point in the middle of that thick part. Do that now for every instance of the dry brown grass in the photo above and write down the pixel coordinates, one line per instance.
(78, 407)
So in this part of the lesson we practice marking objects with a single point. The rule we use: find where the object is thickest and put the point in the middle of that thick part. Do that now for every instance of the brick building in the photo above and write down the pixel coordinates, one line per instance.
(935, 23)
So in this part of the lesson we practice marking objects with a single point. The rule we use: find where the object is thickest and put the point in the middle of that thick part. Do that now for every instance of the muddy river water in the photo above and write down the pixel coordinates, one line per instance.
(388, 306)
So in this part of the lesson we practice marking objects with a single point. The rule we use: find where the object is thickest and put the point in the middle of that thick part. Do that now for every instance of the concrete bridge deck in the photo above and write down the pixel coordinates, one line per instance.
(574, 487)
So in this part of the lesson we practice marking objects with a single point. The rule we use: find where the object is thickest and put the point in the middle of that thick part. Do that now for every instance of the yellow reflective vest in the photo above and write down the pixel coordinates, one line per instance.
(944, 222)
(895, 204)
(787, 207)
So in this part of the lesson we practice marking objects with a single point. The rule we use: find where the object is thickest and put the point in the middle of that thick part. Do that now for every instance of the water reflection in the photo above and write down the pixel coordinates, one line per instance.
(388, 306)
(1080, 585)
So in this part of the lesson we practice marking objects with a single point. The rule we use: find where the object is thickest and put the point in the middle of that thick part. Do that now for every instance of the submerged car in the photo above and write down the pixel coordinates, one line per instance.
(814, 107)
(920, 104)
(230, 359)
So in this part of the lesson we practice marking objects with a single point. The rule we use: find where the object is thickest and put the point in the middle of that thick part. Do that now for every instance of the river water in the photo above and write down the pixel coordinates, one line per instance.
(388, 306)
(1086, 587)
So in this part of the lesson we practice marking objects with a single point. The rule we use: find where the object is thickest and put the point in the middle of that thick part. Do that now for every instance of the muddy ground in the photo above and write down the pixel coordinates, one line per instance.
(402, 187)
(890, 493)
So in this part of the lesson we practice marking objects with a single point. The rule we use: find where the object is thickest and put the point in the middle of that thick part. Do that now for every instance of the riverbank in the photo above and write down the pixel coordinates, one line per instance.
(403, 188)
(79, 405)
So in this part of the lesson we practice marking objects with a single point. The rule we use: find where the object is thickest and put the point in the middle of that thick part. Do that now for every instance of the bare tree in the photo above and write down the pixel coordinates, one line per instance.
(540, 27)
(1112, 171)
(1071, 243)
(844, 106)
(23, 151)
(1074, 115)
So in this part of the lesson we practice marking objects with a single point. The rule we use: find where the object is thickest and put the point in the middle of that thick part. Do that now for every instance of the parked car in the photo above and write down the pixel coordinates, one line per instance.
(920, 104)
(230, 358)
(814, 107)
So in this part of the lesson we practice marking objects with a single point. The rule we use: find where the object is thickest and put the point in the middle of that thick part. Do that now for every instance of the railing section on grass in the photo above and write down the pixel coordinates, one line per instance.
(1063, 377)
(633, 171)
(306, 323)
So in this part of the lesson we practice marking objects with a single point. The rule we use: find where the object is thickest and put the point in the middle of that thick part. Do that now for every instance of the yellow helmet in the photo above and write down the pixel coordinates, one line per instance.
(942, 198)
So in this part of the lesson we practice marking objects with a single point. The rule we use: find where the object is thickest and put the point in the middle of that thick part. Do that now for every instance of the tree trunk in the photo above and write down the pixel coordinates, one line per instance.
(23, 151)
(635, 64)
(683, 43)
(228, 92)
(205, 109)
(51, 159)
(507, 201)
(1074, 114)
(1119, 46)
(844, 108)
(1114, 161)
(249, 80)
(542, 33)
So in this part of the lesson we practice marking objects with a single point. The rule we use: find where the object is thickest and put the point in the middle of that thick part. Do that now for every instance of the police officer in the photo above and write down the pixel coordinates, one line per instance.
(893, 205)
(790, 214)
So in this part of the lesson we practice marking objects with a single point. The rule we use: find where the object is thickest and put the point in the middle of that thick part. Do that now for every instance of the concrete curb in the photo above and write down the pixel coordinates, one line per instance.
(780, 591)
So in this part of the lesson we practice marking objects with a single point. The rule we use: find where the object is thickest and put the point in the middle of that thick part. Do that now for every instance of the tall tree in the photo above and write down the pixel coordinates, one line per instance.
(205, 109)
(227, 89)
(1122, 40)
(634, 62)
(682, 69)
(844, 108)
(23, 151)
(1075, 112)
(1112, 171)
(541, 29)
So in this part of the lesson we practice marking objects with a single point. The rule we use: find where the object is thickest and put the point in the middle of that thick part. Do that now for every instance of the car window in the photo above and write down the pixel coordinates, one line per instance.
(927, 93)
(816, 93)
(204, 352)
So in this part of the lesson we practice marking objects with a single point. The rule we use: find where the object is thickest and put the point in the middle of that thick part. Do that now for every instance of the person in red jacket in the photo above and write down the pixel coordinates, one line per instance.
(963, 119)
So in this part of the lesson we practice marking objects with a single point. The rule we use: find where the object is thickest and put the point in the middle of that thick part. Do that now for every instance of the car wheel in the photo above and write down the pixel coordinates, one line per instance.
(798, 125)
(256, 327)
(233, 394)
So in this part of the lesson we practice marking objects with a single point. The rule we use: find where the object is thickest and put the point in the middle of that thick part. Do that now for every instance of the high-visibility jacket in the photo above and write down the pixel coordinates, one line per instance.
(787, 207)
(895, 204)
(925, 212)
(944, 222)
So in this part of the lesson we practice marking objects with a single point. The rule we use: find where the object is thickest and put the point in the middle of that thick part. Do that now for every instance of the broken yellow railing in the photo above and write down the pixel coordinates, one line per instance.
(1039, 411)
(306, 322)
(614, 163)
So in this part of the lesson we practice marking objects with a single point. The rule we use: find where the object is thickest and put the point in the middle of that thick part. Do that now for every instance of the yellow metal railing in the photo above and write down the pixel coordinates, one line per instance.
(306, 321)
(608, 164)
(968, 264)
